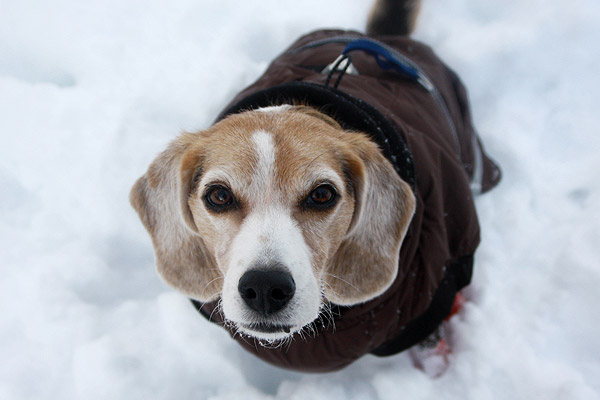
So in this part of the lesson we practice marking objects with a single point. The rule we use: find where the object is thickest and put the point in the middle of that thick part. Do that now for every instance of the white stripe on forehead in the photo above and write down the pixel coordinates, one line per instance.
(275, 109)
(264, 169)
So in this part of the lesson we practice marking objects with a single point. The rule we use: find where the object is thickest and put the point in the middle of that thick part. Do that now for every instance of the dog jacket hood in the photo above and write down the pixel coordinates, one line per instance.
(435, 150)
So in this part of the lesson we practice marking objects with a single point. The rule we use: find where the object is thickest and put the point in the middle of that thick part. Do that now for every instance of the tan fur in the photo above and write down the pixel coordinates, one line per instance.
(181, 256)
(354, 247)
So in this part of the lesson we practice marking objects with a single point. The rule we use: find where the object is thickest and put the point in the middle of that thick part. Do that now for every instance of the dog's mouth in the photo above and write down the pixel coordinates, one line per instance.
(263, 327)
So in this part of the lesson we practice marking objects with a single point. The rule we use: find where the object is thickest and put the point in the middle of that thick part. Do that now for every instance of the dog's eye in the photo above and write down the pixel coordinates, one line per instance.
(323, 196)
(218, 198)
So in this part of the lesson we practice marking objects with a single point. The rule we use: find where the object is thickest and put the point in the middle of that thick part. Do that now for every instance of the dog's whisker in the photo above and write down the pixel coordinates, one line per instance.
(209, 283)
(317, 157)
(326, 317)
(341, 279)
(212, 313)
(219, 310)
(327, 287)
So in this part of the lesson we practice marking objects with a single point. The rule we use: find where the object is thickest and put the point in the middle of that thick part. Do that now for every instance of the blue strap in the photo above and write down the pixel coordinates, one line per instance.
(389, 58)
(384, 57)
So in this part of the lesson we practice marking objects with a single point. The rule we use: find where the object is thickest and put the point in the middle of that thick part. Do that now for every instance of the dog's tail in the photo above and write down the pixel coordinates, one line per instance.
(393, 17)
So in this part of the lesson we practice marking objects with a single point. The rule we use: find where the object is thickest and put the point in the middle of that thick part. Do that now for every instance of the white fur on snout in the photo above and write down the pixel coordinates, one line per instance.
(269, 236)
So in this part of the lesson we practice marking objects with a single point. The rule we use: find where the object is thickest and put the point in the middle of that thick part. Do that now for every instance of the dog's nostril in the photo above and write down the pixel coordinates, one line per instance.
(249, 294)
(278, 294)
(266, 291)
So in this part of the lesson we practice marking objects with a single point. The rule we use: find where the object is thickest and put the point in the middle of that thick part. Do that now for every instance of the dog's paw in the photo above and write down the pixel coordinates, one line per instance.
(433, 358)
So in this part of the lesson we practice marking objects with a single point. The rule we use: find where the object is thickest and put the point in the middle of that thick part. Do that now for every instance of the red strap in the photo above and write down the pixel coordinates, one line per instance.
(459, 301)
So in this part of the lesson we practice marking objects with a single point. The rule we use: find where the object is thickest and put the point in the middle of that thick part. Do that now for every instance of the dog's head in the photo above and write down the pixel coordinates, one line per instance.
(276, 211)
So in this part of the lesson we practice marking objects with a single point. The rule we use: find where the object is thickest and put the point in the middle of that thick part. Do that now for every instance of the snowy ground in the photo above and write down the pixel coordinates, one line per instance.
(90, 92)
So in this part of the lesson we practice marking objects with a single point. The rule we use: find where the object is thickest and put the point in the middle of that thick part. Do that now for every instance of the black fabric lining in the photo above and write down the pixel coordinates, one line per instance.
(457, 277)
(351, 113)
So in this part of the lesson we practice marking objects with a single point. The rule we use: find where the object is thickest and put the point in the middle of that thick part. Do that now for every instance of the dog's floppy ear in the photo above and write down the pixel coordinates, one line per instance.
(161, 199)
(366, 262)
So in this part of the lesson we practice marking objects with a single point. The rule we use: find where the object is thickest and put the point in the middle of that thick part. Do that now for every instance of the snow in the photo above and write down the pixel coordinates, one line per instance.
(90, 92)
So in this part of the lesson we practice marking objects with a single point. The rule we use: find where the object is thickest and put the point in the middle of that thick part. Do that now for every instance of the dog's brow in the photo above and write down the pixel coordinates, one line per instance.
(217, 175)
(323, 175)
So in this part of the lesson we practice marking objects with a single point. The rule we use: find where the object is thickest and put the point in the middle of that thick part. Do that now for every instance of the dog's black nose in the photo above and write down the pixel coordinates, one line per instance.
(266, 290)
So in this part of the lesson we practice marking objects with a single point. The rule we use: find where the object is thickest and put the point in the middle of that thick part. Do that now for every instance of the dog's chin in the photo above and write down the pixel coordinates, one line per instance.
(267, 331)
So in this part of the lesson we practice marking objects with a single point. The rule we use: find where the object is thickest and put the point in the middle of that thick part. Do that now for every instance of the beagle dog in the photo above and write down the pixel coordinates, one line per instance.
(284, 209)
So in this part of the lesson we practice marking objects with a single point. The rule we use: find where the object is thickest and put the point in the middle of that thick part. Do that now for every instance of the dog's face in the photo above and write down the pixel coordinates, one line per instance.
(275, 211)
